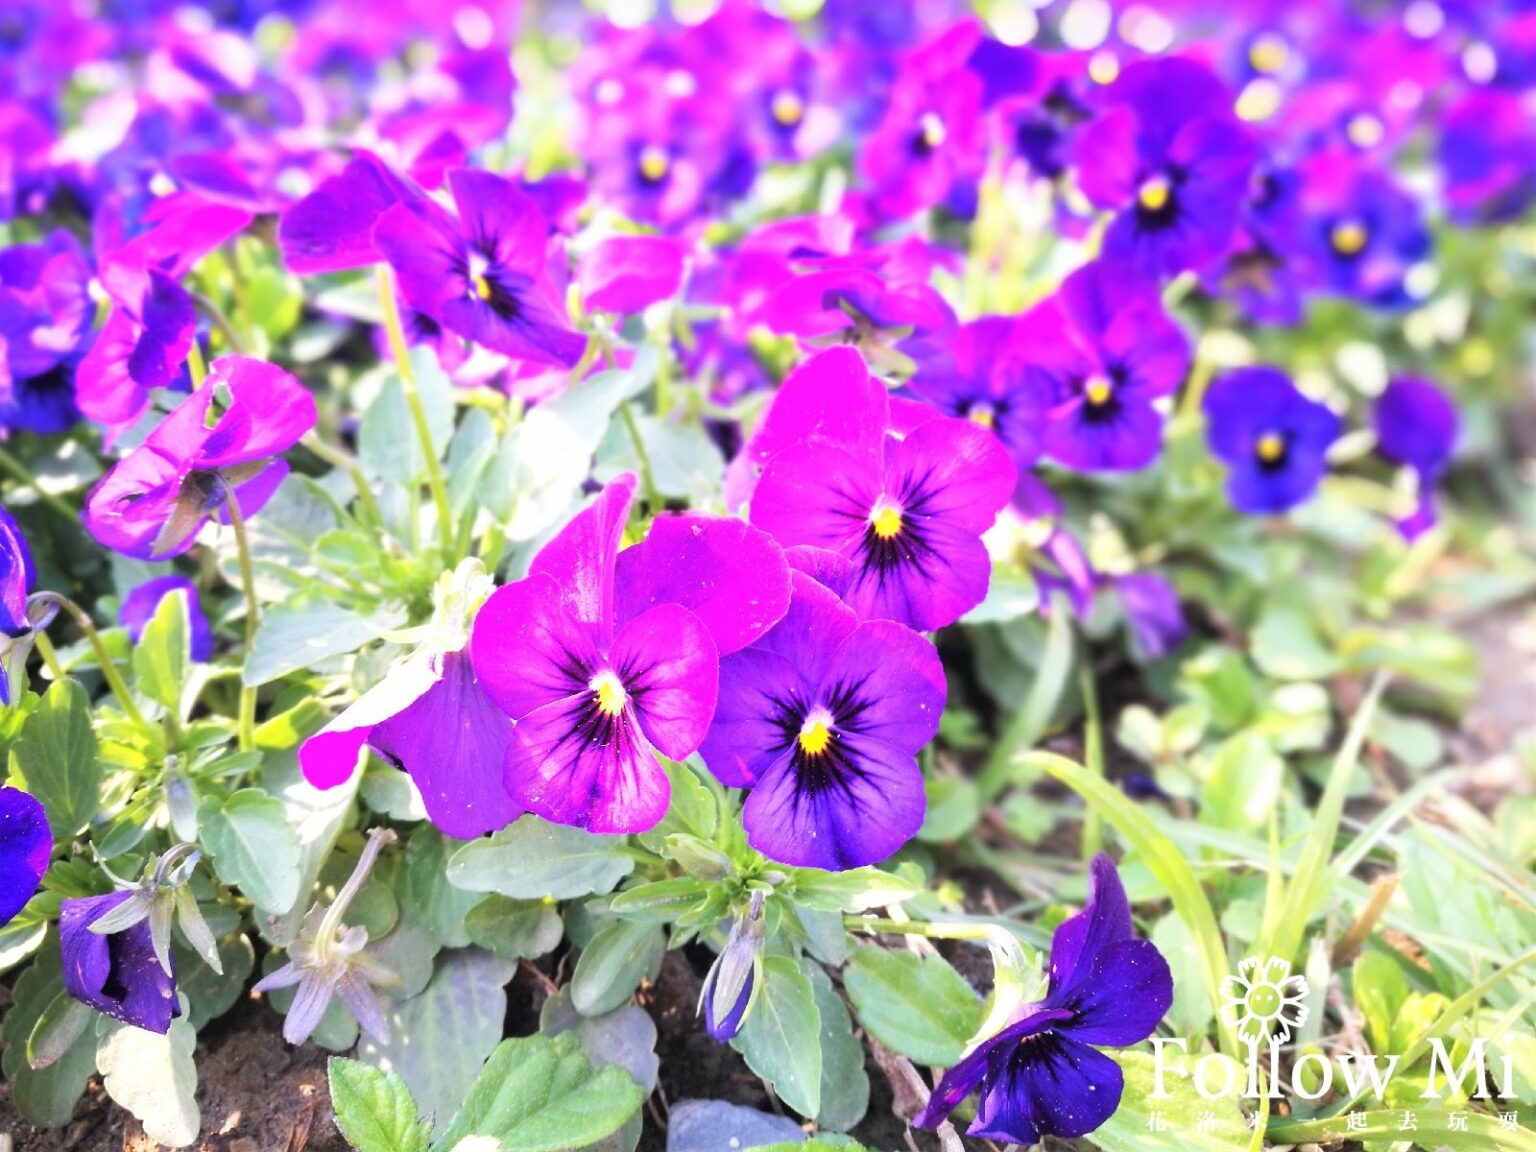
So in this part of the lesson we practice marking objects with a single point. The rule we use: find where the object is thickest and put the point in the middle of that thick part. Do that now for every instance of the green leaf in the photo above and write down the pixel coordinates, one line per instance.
(161, 656)
(781, 1039)
(532, 859)
(44, 1096)
(387, 445)
(294, 636)
(427, 895)
(1285, 646)
(853, 891)
(613, 963)
(439, 1039)
(918, 1007)
(660, 902)
(155, 1078)
(1181, 1120)
(844, 1083)
(515, 929)
(254, 848)
(59, 760)
(1244, 784)
(374, 1109)
(539, 1094)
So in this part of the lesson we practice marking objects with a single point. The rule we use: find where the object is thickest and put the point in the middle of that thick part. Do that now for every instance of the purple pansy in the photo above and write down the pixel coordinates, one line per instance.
(1170, 159)
(222, 439)
(627, 274)
(483, 274)
(1098, 354)
(141, 604)
(1416, 427)
(331, 229)
(604, 658)
(1273, 439)
(148, 335)
(1487, 140)
(1152, 613)
(1043, 1075)
(981, 376)
(823, 719)
(908, 513)
(1365, 230)
(17, 575)
(117, 973)
(45, 304)
(25, 845)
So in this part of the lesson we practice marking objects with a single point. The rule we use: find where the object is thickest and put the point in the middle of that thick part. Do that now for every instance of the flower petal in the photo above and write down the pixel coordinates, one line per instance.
(1104, 921)
(582, 556)
(1125, 993)
(1051, 1086)
(666, 660)
(25, 845)
(329, 757)
(527, 650)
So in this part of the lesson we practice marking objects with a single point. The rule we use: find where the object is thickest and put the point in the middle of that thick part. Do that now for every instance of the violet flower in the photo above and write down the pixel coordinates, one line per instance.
(143, 601)
(218, 444)
(45, 305)
(1416, 427)
(430, 718)
(908, 513)
(17, 575)
(331, 229)
(1043, 1075)
(627, 274)
(603, 658)
(328, 960)
(1365, 231)
(117, 974)
(25, 845)
(734, 978)
(1099, 353)
(1152, 613)
(1170, 159)
(483, 274)
(1273, 439)
(980, 375)
(823, 719)
(148, 335)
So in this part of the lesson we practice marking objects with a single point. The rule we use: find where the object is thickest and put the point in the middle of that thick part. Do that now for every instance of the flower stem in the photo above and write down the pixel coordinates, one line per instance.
(647, 478)
(344, 462)
(109, 670)
(247, 719)
(50, 657)
(931, 929)
(396, 333)
(22, 473)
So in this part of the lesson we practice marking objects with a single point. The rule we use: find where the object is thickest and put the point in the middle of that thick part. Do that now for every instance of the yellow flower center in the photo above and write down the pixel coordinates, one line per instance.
(1271, 447)
(815, 736)
(1154, 194)
(610, 694)
(788, 109)
(931, 129)
(982, 413)
(482, 287)
(1268, 54)
(886, 522)
(1098, 390)
(654, 162)
(1348, 238)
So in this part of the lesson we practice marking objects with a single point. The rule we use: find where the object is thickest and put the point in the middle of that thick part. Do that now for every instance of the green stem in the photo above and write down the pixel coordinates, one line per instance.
(932, 930)
(20, 472)
(50, 657)
(647, 478)
(1093, 760)
(195, 365)
(396, 333)
(588, 355)
(109, 670)
(344, 462)
(247, 719)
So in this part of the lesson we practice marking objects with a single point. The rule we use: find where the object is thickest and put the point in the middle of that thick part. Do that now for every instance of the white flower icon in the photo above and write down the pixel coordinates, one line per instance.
(1264, 1001)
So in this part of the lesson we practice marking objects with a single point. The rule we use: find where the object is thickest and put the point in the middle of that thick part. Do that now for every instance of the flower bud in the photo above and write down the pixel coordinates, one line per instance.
(731, 985)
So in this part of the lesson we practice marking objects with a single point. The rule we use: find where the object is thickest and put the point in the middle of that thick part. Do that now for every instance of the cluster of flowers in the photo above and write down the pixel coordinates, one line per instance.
(786, 647)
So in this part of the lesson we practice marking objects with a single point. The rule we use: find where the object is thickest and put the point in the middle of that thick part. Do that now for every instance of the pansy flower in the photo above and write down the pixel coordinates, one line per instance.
(331, 229)
(1273, 439)
(45, 305)
(908, 513)
(1043, 1075)
(25, 845)
(1366, 231)
(222, 442)
(603, 658)
(17, 575)
(1416, 427)
(981, 376)
(430, 718)
(143, 601)
(823, 719)
(1152, 613)
(116, 973)
(1098, 354)
(147, 337)
(483, 274)
(1171, 161)
(627, 274)
(1487, 141)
